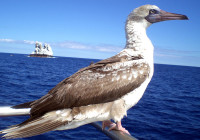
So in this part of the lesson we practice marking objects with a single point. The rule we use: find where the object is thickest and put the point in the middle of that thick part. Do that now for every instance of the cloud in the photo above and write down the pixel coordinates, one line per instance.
(160, 52)
(83, 46)
(108, 48)
(7, 40)
(177, 57)
(28, 42)
(71, 45)
(17, 41)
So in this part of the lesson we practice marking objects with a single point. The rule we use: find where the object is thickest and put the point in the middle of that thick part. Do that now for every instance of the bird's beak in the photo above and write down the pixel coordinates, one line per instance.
(163, 16)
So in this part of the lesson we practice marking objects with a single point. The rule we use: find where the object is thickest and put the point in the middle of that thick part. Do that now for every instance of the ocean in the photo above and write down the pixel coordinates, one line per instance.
(169, 109)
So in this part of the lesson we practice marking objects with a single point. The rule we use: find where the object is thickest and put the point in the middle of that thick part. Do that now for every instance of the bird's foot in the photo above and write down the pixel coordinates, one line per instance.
(108, 124)
(113, 126)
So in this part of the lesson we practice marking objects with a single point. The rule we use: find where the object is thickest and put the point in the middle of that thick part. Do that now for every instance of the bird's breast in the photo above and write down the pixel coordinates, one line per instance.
(134, 96)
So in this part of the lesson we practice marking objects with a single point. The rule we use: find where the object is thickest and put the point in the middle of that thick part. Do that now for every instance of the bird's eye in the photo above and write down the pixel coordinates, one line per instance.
(153, 11)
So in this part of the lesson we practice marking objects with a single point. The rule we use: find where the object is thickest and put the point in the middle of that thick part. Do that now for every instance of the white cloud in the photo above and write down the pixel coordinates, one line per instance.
(7, 40)
(82, 46)
(71, 45)
(163, 54)
(29, 42)
(174, 53)
(108, 48)
(17, 41)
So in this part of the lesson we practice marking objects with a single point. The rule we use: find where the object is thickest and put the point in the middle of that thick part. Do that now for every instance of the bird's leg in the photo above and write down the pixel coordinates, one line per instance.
(108, 124)
(118, 127)
(113, 126)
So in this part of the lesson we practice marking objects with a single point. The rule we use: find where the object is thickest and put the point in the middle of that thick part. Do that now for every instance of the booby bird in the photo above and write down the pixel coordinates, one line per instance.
(103, 91)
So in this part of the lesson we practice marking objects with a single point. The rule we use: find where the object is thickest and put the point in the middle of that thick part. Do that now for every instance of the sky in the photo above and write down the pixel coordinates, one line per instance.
(96, 28)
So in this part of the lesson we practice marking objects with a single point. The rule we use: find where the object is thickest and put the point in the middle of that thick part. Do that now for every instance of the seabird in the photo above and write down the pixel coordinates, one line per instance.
(103, 91)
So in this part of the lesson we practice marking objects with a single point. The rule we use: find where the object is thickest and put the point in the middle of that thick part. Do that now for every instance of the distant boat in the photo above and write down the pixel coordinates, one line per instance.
(40, 51)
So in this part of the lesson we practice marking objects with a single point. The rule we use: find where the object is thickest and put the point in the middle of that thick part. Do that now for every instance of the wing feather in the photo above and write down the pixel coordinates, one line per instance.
(101, 82)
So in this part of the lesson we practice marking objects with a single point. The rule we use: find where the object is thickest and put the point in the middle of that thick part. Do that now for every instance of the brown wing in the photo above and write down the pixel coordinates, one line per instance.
(102, 82)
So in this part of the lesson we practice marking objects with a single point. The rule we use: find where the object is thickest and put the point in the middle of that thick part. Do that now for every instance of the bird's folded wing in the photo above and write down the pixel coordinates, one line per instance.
(101, 82)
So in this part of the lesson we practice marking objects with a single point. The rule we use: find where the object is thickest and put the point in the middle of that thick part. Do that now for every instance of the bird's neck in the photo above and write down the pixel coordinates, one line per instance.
(136, 37)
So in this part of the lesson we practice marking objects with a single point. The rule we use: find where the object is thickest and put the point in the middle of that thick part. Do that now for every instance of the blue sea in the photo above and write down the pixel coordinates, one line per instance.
(169, 109)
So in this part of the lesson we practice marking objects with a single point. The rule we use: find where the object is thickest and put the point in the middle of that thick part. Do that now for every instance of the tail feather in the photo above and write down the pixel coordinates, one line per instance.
(32, 130)
(24, 105)
(47, 122)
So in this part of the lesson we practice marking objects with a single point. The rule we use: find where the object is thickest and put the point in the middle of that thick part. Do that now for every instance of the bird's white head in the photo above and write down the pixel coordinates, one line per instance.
(141, 18)
(148, 14)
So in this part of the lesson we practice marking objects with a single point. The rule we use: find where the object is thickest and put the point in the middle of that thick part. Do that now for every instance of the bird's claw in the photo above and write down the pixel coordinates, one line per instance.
(108, 124)
(122, 129)
(113, 126)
